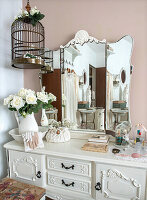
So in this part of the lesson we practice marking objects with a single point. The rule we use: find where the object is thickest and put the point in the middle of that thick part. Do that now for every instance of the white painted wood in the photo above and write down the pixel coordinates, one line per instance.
(63, 194)
(120, 180)
(82, 37)
(75, 167)
(25, 166)
(74, 184)
(120, 183)
(72, 150)
(43, 198)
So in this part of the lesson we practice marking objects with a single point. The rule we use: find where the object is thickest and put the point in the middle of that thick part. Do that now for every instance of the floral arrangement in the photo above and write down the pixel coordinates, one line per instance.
(27, 101)
(31, 17)
(54, 123)
(65, 123)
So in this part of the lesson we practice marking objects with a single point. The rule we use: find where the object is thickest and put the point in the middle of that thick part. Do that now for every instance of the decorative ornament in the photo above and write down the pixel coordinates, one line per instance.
(58, 132)
(27, 38)
(30, 15)
(58, 135)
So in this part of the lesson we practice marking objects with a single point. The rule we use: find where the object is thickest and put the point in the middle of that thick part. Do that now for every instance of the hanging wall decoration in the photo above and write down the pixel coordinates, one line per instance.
(28, 39)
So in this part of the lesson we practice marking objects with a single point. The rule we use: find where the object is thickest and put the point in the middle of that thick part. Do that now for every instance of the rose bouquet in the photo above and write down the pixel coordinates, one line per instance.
(31, 17)
(28, 102)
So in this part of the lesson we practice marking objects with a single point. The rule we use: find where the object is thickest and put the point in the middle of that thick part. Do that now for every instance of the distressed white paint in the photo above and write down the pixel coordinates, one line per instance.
(10, 79)
(81, 171)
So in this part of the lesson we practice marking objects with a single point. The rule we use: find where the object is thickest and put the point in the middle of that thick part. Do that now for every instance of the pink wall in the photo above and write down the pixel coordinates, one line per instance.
(109, 19)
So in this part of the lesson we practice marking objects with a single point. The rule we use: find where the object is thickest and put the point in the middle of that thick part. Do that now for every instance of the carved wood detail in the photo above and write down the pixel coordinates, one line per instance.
(80, 168)
(82, 37)
(81, 186)
(113, 174)
(26, 161)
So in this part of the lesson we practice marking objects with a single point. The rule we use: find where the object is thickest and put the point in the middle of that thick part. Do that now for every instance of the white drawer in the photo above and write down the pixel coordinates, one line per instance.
(69, 166)
(70, 183)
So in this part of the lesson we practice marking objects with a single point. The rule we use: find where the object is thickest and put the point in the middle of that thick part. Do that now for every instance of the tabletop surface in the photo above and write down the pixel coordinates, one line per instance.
(72, 149)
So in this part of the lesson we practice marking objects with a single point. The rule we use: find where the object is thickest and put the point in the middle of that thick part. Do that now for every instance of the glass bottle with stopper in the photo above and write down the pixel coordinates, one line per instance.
(140, 134)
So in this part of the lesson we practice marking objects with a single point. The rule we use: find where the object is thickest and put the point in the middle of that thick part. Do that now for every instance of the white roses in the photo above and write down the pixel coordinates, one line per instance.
(22, 92)
(27, 101)
(51, 97)
(42, 97)
(17, 102)
(34, 10)
(45, 97)
(8, 99)
(24, 13)
(31, 99)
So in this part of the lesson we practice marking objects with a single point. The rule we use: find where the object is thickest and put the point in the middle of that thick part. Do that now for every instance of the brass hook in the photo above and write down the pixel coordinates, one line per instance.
(28, 7)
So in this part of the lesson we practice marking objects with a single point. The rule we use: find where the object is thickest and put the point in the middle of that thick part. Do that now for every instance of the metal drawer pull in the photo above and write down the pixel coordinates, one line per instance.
(67, 185)
(38, 174)
(98, 186)
(71, 167)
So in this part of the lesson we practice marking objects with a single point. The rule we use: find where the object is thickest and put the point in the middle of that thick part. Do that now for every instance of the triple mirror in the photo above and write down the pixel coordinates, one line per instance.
(91, 80)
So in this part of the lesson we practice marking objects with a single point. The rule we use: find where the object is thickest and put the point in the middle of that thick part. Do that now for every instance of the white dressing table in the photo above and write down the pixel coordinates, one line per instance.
(69, 173)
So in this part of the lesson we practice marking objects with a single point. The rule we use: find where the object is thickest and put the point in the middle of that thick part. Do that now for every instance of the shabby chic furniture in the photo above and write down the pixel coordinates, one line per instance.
(69, 173)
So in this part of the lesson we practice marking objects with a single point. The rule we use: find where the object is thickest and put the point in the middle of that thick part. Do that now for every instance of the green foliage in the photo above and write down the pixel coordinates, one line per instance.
(35, 18)
(12, 109)
(30, 55)
(30, 108)
(32, 19)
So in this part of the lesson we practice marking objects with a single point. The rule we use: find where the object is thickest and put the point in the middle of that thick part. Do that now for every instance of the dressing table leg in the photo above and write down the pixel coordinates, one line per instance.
(7, 157)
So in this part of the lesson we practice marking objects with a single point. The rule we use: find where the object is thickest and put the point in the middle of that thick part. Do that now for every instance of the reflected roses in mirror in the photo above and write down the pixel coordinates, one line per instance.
(27, 101)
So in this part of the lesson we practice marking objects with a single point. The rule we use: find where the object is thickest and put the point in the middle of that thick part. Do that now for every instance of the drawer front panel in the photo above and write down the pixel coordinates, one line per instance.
(69, 166)
(70, 184)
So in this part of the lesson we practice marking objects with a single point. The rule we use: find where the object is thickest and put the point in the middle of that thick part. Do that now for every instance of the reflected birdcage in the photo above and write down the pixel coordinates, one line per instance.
(48, 58)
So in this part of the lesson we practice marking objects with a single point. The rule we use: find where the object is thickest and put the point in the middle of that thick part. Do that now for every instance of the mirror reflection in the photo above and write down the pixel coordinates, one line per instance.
(83, 85)
(91, 81)
(118, 83)
(123, 76)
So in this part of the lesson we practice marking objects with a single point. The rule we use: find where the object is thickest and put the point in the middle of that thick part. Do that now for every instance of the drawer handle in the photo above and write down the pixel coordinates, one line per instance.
(67, 185)
(71, 167)
(98, 186)
(38, 174)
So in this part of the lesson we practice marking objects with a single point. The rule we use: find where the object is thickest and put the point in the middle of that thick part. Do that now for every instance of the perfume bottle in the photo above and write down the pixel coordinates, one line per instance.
(118, 137)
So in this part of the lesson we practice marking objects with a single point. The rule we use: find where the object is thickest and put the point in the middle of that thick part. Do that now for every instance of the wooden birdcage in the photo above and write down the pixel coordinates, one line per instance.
(28, 44)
